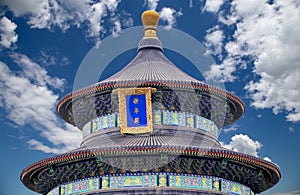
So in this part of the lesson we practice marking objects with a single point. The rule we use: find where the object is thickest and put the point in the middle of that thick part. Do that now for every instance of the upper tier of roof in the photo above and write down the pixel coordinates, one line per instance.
(152, 68)
(150, 64)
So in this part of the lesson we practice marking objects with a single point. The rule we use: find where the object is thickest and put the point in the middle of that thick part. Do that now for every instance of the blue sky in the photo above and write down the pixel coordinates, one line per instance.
(254, 43)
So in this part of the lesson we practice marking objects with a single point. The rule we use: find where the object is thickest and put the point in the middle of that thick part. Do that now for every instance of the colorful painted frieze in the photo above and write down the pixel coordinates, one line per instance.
(116, 182)
(190, 182)
(104, 122)
(95, 124)
(175, 180)
(150, 180)
(190, 120)
(68, 189)
(198, 122)
(175, 118)
(182, 119)
(82, 186)
(204, 124)
(133, 181)
(162, 180)
(62, 190)
(138, 181)
(213, 129)
(206, 183)
(105, 183)
(167, 118)
(156, 115)
(236, 189)
(216, 184)
(55, 191)
(225, 186)
(93, 184)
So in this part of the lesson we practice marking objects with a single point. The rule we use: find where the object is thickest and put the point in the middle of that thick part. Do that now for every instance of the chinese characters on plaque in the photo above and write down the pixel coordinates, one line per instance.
(135, 110)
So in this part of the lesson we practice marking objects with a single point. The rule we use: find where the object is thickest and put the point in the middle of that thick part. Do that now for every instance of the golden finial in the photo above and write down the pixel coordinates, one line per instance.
(150, 20)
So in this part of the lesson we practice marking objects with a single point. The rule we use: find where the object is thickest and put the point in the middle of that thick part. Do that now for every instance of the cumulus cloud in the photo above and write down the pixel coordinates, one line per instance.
(244, 144)
(169, 15)
(19, 7)
(96, 13)
(116, 29)
(214, 41)
(213, 5)
(37, 145)
(28, 99)
(36, 74)
(266, 34)
(8, 35)
(277, 61)
(152, 4)
(53, 14)
(222, 72)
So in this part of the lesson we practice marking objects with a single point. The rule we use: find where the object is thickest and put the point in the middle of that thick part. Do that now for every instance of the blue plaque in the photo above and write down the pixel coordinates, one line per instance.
(136, 110)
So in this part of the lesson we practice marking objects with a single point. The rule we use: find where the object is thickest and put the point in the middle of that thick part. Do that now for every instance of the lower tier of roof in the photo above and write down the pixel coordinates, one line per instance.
(112, 153)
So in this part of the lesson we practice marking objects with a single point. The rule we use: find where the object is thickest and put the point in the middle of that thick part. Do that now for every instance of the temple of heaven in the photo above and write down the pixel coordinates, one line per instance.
(150, 129)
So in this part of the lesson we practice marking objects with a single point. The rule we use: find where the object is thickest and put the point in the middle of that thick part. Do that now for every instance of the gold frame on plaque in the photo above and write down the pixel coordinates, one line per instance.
(123, 111)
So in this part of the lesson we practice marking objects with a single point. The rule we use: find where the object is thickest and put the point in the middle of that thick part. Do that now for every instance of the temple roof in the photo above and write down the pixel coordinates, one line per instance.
(146, 152)
(150, 65)
(151, 68)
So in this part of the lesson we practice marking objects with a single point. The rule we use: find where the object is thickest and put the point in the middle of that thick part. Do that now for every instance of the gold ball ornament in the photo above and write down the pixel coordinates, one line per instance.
(150, 18)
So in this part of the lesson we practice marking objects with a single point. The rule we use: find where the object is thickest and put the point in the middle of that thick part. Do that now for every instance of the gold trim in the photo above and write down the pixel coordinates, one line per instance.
(150, 33)
(122, 110)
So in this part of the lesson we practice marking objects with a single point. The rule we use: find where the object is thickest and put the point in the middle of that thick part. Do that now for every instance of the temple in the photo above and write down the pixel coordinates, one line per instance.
(150, 129)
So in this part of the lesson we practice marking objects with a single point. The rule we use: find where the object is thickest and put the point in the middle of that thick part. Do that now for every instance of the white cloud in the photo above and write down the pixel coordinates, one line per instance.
(169, 15)
(214, 41)
(49, 13)
(28, 100)
(213, 5)
(96, 12)
(36, 74)
(245, 8)
(244, 144)
(222, 72)
(53, 14)
(233, 127)
(20, 7)
(37, 145)
(295, 192)
(267, 159)
(267, 35)
(152, 4)
(8, 35)
(116, 29)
